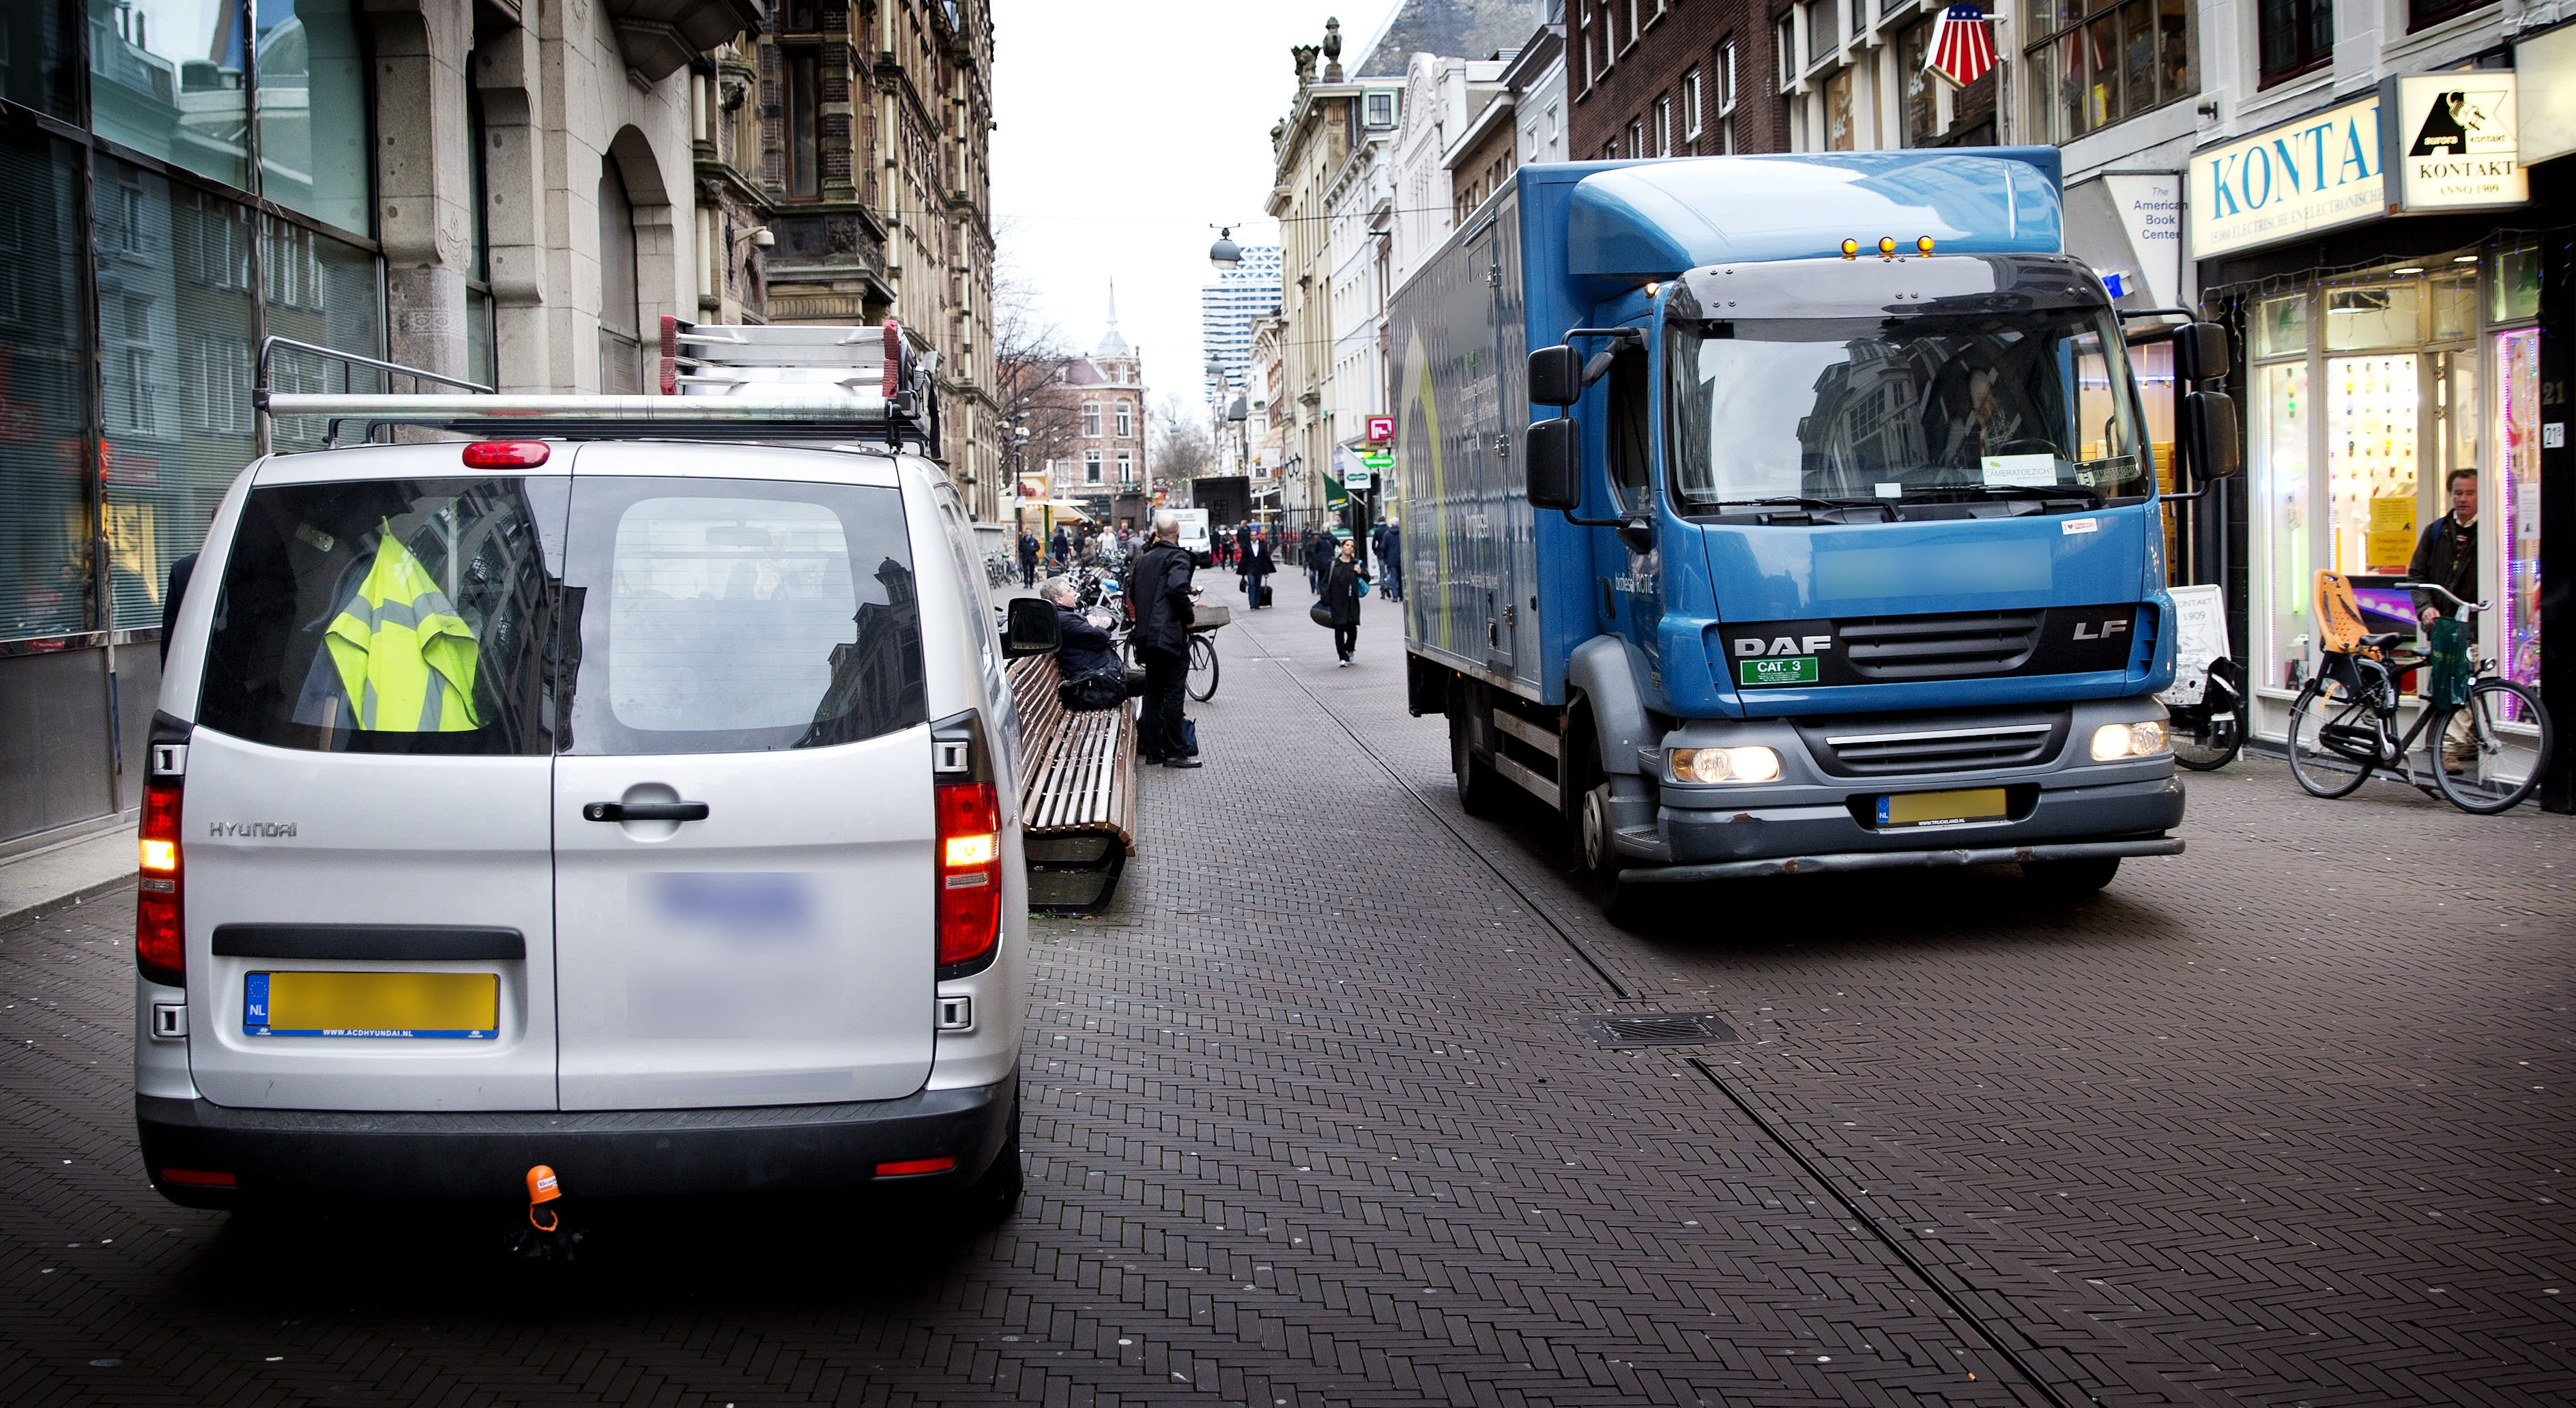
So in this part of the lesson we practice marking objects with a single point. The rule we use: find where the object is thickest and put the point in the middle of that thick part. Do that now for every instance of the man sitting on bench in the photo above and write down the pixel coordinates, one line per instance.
(1082, 641)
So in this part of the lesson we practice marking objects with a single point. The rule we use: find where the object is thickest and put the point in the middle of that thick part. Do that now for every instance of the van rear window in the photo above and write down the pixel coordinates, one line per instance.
(726, 616)
(405, 616)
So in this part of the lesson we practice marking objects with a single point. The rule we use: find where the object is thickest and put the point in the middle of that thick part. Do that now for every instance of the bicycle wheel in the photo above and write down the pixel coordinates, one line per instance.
(2326, 737)
(2209, 735)
(1203, 667)
(2495, 772)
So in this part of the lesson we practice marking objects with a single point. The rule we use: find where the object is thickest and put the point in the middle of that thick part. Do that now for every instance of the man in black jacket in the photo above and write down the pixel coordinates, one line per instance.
(1159, 593)
(1082, 645)
(2447, 554)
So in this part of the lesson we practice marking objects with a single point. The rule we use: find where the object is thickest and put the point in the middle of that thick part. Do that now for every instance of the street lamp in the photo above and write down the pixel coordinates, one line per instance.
(1225, 253)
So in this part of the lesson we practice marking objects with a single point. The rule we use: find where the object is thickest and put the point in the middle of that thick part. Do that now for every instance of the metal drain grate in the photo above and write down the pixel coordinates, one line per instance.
(1616, 1030)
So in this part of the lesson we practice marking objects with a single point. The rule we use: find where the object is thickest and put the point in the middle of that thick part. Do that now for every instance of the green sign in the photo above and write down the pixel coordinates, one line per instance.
(1377, 459)
(1782, 669)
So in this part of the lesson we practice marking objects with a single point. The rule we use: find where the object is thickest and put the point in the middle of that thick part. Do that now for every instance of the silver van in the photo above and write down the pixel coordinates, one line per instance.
(641, 808)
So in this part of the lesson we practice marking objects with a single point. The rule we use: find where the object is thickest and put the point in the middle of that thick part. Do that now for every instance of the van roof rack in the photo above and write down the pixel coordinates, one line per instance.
(716, 382)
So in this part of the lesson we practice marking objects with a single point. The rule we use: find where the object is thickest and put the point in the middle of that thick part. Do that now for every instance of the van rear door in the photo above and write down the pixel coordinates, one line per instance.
(743, 813)
(364, 840)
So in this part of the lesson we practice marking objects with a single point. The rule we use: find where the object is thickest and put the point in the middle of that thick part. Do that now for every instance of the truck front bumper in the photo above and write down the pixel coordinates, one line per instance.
(293, 1154)
(2123, 813)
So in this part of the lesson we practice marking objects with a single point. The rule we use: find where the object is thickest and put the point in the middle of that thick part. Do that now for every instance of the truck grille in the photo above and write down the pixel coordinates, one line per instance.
(1939, 647)
(1887, 744)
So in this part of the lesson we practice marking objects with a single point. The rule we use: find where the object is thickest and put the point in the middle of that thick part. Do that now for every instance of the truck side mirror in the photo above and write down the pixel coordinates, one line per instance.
(2209, 419)
(1552, 458)
(2200, 352)
(1029, 627)
(1555, 376)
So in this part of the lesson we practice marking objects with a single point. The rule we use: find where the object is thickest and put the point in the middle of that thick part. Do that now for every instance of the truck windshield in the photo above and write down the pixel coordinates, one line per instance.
(2029, 405)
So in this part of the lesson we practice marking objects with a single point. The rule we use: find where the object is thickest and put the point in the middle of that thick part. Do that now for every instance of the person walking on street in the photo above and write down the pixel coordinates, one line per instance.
(1160, 593)
(1390, 560)
(1256, 569)
(2447, 556)
(1319, 561)
(1342, 598)
(1028, 559)
(1060, 547)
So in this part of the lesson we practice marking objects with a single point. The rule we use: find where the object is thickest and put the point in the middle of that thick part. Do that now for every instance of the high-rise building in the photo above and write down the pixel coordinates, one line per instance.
(1227, 306)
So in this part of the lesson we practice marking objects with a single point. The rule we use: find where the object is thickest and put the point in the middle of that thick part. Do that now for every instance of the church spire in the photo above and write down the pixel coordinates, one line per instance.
(1111, 344)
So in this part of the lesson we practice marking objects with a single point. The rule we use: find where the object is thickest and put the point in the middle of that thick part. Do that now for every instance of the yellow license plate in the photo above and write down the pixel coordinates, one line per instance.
(452, 1006)
(1942, 808)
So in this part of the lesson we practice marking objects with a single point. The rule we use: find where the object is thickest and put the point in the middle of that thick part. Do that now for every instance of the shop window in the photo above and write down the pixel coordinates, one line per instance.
(313, 110)
(2283, 505)
(174, 306)
(2098, 62)
(2381, 315)
(2454, 298)
(1839, 134)
(2281, 326)
(2516, 489)
(2371, 469)
(39, 49)
(2293, 37)
(167, 80)
(2516, 286)
(44, 347)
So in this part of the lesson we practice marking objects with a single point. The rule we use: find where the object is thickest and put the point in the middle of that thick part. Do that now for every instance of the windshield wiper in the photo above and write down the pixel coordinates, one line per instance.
(1886, 507)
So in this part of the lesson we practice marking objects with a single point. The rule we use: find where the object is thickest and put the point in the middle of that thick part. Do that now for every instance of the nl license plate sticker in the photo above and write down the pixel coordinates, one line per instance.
(1778, 669)
(436, 1006)
(1942, 808)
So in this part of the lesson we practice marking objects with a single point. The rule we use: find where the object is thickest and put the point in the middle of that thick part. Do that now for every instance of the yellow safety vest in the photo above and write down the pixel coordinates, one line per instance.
(404, 655)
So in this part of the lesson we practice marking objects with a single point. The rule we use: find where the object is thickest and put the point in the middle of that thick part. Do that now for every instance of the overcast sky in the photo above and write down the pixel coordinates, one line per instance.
(1126, 130)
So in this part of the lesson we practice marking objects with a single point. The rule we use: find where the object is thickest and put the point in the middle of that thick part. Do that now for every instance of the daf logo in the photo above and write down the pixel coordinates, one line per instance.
(2084, 631)
(1783, 645)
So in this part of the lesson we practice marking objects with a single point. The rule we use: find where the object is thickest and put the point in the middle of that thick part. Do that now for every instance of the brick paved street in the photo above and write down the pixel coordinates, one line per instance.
(2281, 1121)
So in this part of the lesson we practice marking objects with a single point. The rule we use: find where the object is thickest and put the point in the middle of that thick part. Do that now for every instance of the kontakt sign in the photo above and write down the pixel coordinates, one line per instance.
(2451, 141)
(2296, 179)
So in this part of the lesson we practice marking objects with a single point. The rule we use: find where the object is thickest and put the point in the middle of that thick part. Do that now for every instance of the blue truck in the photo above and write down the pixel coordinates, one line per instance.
(1794, 514)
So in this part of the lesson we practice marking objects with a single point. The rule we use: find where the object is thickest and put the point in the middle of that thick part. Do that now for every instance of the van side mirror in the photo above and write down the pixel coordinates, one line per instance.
(1552, 458)
(2209, 420)
(1029, 627)
(2200, 352)
(1555, 376)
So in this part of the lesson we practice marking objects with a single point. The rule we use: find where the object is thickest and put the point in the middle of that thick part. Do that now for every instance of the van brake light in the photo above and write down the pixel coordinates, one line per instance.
(160, 925)
(970, 873)
(506, 454)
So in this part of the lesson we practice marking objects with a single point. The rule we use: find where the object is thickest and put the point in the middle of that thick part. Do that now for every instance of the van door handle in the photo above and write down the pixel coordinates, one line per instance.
(644, 811)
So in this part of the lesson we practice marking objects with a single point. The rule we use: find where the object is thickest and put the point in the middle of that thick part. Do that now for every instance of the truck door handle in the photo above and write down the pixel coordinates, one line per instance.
(644, 811)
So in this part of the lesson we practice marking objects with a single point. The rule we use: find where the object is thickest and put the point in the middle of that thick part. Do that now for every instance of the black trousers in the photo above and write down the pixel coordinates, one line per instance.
(1167, 674)
(1345, 640)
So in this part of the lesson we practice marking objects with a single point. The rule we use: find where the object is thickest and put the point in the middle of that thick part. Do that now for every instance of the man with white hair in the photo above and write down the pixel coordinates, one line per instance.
(1083, 645)
(1159, 593)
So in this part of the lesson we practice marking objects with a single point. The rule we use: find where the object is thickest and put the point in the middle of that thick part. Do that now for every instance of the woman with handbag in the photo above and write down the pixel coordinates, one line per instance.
(1343, 588)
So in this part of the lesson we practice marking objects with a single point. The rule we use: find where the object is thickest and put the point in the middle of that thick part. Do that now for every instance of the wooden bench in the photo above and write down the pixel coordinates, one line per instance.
(1077, 786)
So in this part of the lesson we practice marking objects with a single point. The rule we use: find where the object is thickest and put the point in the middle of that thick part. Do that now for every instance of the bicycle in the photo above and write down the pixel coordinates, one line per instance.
(2343, 726)
(2207, 735)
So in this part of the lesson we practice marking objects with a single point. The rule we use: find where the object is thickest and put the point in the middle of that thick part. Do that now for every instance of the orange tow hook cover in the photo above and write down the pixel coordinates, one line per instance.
(541, 1186)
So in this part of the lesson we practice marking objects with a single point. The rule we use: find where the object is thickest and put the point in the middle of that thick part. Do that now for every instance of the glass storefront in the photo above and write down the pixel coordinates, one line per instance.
(44, 391)
(2367, 392)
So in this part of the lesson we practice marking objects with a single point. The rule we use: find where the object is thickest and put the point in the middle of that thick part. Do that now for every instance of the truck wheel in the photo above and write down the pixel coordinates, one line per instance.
(1480, 788)
(1589, 830)
(2070, 879)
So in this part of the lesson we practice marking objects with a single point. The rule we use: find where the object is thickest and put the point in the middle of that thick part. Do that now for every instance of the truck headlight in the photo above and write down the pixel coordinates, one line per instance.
(1749, 764)
(2112, 742)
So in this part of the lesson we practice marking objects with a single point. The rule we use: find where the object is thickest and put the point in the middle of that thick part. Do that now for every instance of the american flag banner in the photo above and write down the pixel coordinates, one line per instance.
(1963, 46)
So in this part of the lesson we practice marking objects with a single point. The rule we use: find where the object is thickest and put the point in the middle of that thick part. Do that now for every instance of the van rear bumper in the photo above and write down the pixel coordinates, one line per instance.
(595, 1153)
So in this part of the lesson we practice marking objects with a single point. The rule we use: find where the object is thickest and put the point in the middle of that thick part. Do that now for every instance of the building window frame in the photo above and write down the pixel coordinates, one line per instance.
(2084, 58)
(1090, 420)
(2292, 38)
(1690, 105)
(1125, 419)
(1784, 44)
(2424, 14)
(1663, 126)
(1091, 466)
(802, 122)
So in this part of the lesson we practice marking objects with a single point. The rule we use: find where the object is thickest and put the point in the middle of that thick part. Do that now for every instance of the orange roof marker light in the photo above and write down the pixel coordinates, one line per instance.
(1923, 246)
(1851, 249)
(1887, 246)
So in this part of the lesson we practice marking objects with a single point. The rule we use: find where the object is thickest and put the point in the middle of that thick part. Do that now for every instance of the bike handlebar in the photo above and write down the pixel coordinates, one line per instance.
(2445, 591)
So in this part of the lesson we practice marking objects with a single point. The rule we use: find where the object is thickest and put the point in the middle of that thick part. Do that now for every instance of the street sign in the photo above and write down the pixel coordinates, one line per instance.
(1381, 428)
(1377, 459)
(1359, 479)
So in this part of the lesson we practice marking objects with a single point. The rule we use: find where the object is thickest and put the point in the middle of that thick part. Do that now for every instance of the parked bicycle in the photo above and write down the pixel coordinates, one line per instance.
(2343, 726)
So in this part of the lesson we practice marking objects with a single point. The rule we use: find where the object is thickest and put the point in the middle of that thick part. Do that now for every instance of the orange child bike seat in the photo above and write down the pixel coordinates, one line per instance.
(2339, 623)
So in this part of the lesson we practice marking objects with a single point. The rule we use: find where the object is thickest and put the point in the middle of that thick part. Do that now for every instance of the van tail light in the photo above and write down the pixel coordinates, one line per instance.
(160, 928)
(970, 875)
